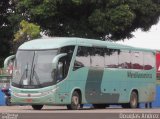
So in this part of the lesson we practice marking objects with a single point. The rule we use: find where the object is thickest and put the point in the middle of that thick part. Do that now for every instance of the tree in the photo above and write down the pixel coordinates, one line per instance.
(116, 19)
(27, 31)
(5, 30)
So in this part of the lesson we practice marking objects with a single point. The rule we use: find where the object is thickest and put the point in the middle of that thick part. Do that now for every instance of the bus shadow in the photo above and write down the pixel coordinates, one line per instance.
(82, 109)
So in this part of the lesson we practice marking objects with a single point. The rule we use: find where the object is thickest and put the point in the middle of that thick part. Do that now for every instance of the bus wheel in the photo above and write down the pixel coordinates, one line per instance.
(99, 106)
(75, 101)
(133, 100)
(37, 107)
(125, 105)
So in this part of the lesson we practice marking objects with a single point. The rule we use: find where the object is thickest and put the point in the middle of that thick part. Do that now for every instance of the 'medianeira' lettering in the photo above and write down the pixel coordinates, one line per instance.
(138, 75)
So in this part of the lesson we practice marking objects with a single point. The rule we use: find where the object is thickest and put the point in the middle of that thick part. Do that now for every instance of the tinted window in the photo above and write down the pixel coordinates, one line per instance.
(111, 58)
(65, 61)
(137, 60)
(82, 58)
(149, 60)
(124, 59)
(97, 57)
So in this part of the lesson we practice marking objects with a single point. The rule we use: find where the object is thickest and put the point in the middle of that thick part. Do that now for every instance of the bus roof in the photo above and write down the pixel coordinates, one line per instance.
(58, 42)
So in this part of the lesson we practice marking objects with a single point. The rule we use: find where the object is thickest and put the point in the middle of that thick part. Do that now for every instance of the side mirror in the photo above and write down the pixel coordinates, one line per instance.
(56, 59)
(7, 60)
(59, 71)
(59, 68)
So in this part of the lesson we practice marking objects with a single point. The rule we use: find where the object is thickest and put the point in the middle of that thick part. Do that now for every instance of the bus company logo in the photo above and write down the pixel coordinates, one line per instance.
(138, 75)
(139, 116)
(9, 116)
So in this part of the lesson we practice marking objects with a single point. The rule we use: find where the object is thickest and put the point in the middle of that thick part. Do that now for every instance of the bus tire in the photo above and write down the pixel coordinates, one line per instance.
(125, 105)
(99, 106)
(75, 102)
(133, 100)
(37, 107)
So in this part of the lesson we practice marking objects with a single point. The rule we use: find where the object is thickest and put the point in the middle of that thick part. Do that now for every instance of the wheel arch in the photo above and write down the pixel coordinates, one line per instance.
(79, 92)
(132, 90)
(135, 90)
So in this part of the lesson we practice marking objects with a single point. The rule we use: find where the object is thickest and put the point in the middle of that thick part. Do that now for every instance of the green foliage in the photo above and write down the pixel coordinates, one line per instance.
(91, 18)
(78, 18)
(113, 20)
(77, 2)
(5, 30)
(36, 8)
(27, 31)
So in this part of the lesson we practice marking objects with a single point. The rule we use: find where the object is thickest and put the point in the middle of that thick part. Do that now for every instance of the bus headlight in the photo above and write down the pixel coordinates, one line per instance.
(34, 95)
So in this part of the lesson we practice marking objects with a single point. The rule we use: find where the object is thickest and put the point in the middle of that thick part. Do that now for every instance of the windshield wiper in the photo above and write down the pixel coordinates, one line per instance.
(25, 71)
(32, 74)
(36, 76)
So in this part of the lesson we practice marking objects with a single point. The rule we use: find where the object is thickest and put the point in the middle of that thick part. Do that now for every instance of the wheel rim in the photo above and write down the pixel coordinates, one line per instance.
(75, 100)
(134, 100)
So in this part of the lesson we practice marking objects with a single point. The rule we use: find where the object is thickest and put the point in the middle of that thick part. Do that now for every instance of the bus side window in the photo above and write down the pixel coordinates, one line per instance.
(137, 59)
(82, 58)
(97, 57)
(149, 60)
(111, 58)
(124, 59)
(64, 62)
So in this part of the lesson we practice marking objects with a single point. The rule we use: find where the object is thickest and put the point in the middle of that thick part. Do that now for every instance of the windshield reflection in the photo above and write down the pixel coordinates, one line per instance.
(33, 69)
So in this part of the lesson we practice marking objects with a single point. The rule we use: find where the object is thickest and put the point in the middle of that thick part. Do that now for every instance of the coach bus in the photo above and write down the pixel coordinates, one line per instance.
(76, 71)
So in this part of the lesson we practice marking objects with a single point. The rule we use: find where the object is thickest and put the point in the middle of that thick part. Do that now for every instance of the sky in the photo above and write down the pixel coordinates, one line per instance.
(149, 39)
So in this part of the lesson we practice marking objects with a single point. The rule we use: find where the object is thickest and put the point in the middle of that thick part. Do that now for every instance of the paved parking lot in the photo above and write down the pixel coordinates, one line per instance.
(60, 112)
(63, 109)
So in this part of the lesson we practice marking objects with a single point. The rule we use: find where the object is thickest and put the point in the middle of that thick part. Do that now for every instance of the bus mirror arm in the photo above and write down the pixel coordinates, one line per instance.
(7, 60)
(56, 59)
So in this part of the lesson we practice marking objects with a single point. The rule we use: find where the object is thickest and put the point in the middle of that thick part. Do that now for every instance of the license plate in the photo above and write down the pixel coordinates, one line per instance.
(29, 100)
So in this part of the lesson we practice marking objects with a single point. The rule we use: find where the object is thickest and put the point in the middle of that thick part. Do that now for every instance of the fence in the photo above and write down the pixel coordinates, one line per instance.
(4, 83)
(2, 71)
(4, 78)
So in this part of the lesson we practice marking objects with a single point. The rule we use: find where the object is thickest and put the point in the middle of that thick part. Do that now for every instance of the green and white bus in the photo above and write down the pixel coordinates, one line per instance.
(75, 71)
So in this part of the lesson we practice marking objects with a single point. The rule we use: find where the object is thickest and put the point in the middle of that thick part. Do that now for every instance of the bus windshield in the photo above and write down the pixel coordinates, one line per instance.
(33, 69)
